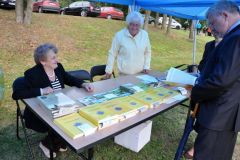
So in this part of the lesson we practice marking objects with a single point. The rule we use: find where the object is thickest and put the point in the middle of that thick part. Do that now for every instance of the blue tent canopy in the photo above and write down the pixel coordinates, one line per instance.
(178, 3)
(195, 13)
(189, 9)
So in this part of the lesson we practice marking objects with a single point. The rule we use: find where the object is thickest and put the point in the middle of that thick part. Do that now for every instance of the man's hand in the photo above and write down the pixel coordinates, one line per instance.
(88, 87)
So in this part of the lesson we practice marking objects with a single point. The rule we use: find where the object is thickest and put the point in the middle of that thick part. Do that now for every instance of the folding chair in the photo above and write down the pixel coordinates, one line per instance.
(18, 84)
(98, 70)
(81, 74)
(183, 67)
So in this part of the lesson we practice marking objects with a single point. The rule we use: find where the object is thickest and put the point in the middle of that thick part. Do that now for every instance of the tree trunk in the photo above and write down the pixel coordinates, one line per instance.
(169, 25)
(23, 11)
(156, 19)
(28, 12)
(147, 13)
(191, 30)
(19, 11)
(164, 22)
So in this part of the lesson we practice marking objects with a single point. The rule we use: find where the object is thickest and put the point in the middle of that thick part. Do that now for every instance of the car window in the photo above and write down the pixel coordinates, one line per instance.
(85, 4)
(93, 4)
(118, 10)
(106, 9)
(74, 4)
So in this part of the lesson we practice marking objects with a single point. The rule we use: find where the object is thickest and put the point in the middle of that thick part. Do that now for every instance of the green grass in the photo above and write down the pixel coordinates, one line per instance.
(82, 43)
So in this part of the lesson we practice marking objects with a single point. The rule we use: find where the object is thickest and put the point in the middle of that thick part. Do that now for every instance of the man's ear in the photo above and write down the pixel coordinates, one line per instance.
(225, 14)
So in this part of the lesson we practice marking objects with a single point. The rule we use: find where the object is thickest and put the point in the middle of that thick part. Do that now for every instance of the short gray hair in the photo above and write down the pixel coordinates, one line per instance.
(223, 5)
(41, 51)
(135, 17)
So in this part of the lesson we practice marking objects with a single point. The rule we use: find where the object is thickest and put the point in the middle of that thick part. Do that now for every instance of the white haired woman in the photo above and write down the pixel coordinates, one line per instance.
(131, 47)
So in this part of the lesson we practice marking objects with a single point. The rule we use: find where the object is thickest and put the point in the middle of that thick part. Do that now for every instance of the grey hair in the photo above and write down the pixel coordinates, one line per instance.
(41, 51)
(135, 17)
(223, 5)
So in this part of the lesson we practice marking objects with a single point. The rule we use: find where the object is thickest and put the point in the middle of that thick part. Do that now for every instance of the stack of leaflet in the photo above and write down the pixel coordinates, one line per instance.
(147, 79)
(107, 113)
(155, 96)
(133, 103)
(165, 95)
(58, 104)
(131, 88)
(75, 126)
(122, 91)
(102, 97)
(151, 100)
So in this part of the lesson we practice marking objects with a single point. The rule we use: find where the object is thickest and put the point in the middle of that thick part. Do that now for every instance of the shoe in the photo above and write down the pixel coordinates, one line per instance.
(46, 151)
(62, 149)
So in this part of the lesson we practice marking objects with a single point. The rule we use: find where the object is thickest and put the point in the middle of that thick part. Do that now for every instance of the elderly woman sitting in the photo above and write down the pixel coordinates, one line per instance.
(131, 47)
(46, 77)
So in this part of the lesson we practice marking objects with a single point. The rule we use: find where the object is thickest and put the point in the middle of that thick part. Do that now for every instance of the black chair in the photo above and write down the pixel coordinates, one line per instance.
(98, 70)
(81, 74)
(18, 84)
(182, 67)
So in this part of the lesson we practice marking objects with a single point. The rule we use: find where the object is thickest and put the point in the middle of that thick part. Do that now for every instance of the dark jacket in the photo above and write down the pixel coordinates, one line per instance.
(36, 78)
(209, 47)
(218, 87)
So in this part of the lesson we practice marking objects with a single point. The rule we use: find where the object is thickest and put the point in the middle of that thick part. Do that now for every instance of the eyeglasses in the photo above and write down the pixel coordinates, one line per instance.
(134, 25)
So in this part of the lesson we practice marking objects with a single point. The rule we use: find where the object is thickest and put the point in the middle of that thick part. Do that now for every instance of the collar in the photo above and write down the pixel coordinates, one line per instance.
(233, 26)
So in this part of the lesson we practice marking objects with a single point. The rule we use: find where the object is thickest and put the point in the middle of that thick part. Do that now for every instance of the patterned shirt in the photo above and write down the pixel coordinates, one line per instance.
(56, 85)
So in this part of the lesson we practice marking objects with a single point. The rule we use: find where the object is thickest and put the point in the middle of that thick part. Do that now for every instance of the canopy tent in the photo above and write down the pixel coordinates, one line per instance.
(189, 9)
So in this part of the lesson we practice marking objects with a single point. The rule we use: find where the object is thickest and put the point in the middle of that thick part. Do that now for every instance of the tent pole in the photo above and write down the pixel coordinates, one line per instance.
(194, 41)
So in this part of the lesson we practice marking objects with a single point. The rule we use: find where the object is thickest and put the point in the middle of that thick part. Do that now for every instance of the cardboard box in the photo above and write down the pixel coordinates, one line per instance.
(136, 138)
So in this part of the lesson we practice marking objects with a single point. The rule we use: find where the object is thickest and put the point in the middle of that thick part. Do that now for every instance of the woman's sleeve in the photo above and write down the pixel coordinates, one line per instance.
(112, 54)
(147, 55)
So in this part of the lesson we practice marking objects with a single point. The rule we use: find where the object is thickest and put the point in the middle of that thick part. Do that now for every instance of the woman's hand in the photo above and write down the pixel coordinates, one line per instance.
(88, 87)
(47, 90)
(106, 76)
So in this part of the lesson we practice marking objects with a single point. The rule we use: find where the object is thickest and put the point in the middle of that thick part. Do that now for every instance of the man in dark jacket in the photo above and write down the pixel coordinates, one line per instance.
(217, 89)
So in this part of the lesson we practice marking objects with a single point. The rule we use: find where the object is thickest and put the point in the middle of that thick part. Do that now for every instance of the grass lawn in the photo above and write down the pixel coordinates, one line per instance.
(82, 43)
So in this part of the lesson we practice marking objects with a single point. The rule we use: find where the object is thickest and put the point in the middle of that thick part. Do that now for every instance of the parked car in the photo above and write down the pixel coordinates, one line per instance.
(111, 13)
(46, 6)
(151, 20)
(174, 24)
(82, 8)
(8, 4)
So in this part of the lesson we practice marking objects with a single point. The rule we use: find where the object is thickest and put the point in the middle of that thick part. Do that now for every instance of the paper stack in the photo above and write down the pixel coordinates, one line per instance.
(58, 104)
(75, 126)
(178, 76)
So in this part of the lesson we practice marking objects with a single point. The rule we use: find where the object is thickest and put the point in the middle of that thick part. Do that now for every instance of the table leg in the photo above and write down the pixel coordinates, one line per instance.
(90, 154)
(51, 143)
